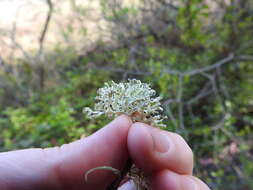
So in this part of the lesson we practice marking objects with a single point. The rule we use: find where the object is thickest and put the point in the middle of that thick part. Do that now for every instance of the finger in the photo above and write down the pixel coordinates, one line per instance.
(168, 180)
(129, 185)
(153, 149)
(65, 167)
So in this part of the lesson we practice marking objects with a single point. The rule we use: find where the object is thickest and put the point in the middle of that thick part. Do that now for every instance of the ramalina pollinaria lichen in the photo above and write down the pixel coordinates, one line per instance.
(138, 101)
(133, 98)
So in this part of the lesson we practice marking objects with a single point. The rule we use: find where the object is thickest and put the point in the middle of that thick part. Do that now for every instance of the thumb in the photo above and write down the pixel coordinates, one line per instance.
(65, 167)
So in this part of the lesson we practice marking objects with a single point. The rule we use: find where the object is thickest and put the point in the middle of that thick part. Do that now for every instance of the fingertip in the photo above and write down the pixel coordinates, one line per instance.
(140, 145)
(165, 180)
(122, 122)
(114, 133)
(153, 150)
(124, 119)
(170, 180)
(129, 185)
(203, 185)
(146, 144)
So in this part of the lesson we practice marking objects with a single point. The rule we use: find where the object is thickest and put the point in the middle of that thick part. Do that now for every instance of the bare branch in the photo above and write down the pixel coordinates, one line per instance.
(192, 116)
(211, 67)
(172, 71)
(170, 114)
(45, 28)
(215, 88)
(245, 57)
(202, 93)
(180, 101)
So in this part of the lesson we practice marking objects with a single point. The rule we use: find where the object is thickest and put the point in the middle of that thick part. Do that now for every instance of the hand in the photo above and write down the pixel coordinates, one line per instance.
(163, 156)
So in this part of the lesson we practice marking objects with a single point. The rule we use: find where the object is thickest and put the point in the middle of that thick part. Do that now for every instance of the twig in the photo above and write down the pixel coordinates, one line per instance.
(115, 184)
(221, 82)
(215, 89)
(211, 67)
(45, 28)
(180, 101)
(168, 110)
(245, 57)
(202, 93)
(114, 170)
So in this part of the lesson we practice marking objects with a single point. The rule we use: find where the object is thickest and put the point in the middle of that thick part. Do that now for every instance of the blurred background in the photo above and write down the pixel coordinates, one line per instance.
(197, 54)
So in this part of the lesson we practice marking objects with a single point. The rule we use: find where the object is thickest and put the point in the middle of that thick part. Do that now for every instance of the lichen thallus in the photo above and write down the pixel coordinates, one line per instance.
(136, 100)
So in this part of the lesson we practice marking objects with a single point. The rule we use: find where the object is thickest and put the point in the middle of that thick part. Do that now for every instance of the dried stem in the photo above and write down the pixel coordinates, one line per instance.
(115, 184)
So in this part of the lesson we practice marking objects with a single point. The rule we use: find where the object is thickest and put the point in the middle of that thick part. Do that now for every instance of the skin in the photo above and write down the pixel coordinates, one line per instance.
(165, 158)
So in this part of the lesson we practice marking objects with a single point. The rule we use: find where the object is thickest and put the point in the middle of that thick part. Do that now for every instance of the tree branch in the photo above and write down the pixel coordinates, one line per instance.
(211, 67)
(45, 28)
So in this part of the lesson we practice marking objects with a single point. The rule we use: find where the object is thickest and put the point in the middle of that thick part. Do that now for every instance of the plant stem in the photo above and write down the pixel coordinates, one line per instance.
(115, 184)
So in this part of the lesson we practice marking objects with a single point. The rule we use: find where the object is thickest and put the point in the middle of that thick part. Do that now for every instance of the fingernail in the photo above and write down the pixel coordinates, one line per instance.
(128, 186)
(188, 183)
(161, 141)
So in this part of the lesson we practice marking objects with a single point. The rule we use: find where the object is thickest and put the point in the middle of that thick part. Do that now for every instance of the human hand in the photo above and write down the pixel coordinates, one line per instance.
(164, 157)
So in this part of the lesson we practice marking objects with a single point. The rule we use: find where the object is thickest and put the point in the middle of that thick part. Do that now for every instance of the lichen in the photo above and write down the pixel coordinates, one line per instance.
(133, 98)
(138, 101)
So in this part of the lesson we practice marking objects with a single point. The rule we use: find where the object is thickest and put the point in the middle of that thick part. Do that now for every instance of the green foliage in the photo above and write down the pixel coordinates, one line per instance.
(40, 125)
(55, 117)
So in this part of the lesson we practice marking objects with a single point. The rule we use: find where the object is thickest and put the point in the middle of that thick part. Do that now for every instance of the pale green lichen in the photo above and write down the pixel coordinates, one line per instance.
(133, 98)
(138, 101)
